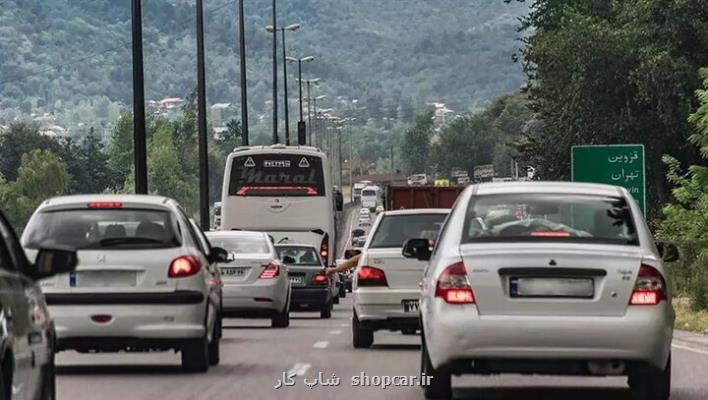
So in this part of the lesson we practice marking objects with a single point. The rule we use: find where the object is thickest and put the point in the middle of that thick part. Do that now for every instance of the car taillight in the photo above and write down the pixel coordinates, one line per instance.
(453, 285)
(104, 204)
(271, 271)
(371, 276)
(184, 266)
(650, 288)
(319, 279)
(324, 248)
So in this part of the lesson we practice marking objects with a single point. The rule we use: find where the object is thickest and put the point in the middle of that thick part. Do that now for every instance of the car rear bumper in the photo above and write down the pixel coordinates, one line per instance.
(384, 305)
(240, 299)
(308, 297)
(457, 334)
(76, 299)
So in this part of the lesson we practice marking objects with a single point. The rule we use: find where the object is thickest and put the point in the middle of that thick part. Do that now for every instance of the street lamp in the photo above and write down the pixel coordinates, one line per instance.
(292, 28)
(244, 89)
(314, 104)
(301, 123)
(309, 116)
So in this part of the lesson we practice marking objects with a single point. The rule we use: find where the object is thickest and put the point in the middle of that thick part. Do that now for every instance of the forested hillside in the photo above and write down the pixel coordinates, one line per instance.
(72, 57)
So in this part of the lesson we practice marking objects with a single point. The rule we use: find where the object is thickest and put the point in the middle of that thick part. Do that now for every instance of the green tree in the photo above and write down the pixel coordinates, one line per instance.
(415, 147)
(20, 138)
(463, 144)
(120, 152)
(95, 161)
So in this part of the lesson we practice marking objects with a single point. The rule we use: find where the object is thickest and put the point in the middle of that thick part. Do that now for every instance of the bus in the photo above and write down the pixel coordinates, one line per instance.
(284, 191)
(371, 197)
(356, 191)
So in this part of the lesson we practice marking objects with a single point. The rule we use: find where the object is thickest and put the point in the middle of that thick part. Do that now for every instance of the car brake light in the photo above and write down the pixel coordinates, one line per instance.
(453, 285)
(184, 266)
(271, 271)
(371, 276)
(324, 248)
(319, 279)
(104, 204)
(650, 288)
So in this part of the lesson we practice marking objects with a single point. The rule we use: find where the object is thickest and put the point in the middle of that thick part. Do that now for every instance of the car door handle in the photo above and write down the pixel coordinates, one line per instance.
(420, 284)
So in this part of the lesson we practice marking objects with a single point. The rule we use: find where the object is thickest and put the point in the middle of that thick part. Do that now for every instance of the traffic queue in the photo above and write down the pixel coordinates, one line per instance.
(514, 277)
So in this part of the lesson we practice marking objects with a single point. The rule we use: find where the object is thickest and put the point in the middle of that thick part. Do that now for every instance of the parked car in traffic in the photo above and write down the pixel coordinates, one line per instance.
(312, 288)
(386, 285)
(145, 279)
(560, 278)
(256, 283)
(27, 338)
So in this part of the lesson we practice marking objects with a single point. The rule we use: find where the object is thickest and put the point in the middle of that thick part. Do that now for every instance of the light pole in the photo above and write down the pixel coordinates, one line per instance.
(301, 124)
(317, 133)
(244, 89)
(139, 143)
(276, 139)
(309, 110)
(202, 122)
(282, 30)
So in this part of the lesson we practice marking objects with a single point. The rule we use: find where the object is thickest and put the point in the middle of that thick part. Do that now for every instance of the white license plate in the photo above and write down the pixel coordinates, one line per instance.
(103, 279)
(410, 305)
(552, 287)
(297, 280)
(233, 271)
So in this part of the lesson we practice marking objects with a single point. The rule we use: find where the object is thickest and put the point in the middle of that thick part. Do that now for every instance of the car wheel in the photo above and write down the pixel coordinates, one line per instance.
(214, 345)
(362, 338)
(440, 386)
(195, 355)
(282, 319)
(335, 299)
(342, 291)
(48, 390)
(649, 383)
(5, 389)
(326, 312)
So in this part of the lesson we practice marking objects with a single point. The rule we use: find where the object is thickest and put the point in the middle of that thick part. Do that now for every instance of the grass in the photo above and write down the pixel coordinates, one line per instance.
(689, 320)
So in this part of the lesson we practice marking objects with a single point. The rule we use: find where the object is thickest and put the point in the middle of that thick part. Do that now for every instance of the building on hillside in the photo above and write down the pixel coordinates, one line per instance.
(441, 115)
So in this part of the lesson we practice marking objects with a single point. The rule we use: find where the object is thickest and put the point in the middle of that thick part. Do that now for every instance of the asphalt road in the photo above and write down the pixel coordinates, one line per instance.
(255, 356)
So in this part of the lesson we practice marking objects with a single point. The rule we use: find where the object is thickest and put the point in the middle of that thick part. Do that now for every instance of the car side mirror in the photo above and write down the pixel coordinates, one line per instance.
(288, 260)
(218, 255)
(349, 253)
(668, 251)
(54, 261)
(417, 248)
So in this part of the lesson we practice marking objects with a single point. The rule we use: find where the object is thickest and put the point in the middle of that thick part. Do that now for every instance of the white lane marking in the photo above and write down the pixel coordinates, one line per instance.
(335, 332)
(321, 345)
(299, 369)
(691, 349)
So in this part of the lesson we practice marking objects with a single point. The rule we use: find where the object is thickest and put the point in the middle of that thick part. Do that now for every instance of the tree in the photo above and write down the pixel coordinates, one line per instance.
(120, 152)
(415, 147)
(20, 138)
(465, 143)
(95, 162)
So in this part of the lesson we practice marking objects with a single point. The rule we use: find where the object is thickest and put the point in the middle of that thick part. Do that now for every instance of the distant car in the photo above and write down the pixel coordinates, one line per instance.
(575, 286)
(145, 279)
(27, 338)
(379, 209)
(346, 276)
(365, 224)
(386, 285)
(418, 180)
(312, 289)
(364, 211)
(256, 284)
(359, 241)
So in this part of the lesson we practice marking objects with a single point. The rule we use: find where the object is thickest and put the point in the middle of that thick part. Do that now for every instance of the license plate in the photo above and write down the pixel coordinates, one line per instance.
(103, 279)
(233, 271)
(297, 280)
(552, 287)
(410, 305)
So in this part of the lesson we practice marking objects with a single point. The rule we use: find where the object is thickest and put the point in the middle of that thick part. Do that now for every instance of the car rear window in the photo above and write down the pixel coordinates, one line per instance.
(393, 230)
(550, 217)
(247, 245)
(102, 229)
(368, 193)
(305, 256)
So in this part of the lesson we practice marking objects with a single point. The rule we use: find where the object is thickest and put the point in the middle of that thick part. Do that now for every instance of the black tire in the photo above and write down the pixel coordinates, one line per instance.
(282, 319)
(48, 390)
(440, 386)
(195, 355)
(362, 338)
(649, 383)
(335, 299)
(342, 291)
(5, 390)
(326, 312)
(215, 344)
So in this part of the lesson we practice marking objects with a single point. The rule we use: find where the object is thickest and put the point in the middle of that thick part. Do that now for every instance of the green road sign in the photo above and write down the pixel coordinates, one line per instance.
(617, 164)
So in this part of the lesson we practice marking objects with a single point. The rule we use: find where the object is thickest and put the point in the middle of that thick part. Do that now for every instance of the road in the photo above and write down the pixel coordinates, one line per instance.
(254, 357)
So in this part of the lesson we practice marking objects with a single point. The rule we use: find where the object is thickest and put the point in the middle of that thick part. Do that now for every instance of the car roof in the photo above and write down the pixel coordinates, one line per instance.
(546, 187)
(295, 245)
(235, 234)
(83, 199)
(417, 211)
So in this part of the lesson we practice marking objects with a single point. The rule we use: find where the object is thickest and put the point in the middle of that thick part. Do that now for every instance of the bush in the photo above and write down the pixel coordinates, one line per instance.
(698, 288)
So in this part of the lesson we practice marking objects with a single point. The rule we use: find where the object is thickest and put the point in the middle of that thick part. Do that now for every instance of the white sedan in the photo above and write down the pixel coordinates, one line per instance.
(546, 278)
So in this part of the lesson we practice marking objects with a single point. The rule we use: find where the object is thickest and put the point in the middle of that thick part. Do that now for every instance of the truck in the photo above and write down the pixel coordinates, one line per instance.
(407, 197)
(356, 190)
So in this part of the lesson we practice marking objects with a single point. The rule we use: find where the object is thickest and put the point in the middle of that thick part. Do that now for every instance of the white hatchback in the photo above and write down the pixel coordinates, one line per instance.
(386, 285)
(546, 278)
(146, 278)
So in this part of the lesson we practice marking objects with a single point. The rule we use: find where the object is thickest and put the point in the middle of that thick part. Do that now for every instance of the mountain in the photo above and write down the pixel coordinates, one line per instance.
(73, 57)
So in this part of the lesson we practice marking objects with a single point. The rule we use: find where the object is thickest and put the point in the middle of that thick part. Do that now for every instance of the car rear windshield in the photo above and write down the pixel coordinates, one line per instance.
(249, 245)
(102, 229)
(550, 217)
(393, 230)
(368, 193)
(305, 256)
(277, 175)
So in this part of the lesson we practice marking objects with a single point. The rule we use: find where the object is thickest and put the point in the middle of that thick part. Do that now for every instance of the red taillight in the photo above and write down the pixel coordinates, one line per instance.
(184, 266)
(453, 285)
(104, 204)
(371, 276)
(101, 318)
(650, 288)
(319, 279)
(271, 271)
(309, 191)
(324, 248)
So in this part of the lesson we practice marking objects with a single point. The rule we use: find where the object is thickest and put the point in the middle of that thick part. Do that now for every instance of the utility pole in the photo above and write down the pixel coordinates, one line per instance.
(285, 88)
(276, 139)
(244, 88)
(139, 142)
(309, 116)
(202, 122)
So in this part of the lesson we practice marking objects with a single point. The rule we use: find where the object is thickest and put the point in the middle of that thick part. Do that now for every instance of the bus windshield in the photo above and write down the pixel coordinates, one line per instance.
(277, 175)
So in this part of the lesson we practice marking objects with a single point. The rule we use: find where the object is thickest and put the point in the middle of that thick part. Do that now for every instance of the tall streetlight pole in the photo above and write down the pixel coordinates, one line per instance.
(202, 122)
(276, 139)
(275, 29)
(317, 119)
(301, 124)
(139, 143)
(244, 88)
(309, 110)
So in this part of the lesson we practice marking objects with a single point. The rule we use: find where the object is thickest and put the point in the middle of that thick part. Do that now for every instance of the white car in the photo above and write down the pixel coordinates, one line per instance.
(256, 284)
(562, 278)
(386, 285)
(145, 279)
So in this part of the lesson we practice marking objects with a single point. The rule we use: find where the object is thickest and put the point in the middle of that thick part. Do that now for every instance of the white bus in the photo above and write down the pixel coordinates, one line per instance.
(282, 190)
(371, 197)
